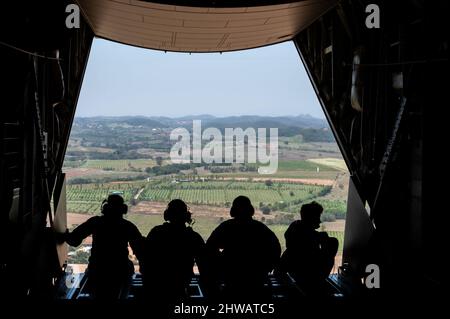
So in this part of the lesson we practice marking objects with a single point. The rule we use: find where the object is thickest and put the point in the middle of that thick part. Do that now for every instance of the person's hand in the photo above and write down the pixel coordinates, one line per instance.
(61, 237)
(323, 236)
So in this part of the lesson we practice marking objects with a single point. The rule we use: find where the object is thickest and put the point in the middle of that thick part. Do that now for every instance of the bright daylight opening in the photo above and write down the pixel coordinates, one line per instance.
(133, 99)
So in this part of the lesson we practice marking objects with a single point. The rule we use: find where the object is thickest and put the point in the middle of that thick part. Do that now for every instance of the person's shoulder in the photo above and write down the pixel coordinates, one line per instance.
(92, 223)
(131, 227)
(257, 223)
(190, 230)
(128, 223)
(94, 219)
(159, 228)
(226, 223)
(194, 234)
(296, 224)
(259, 227)
(223, 228)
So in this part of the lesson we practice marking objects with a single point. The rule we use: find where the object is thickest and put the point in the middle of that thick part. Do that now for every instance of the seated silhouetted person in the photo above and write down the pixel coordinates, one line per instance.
(309, 255)
(170, 251)
(110, 268)
(243, 251)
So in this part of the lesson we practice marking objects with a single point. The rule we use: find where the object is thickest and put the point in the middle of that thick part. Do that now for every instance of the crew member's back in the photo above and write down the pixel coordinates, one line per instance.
(109, 266)
(243, 250)
(170, 251)
(309, 255)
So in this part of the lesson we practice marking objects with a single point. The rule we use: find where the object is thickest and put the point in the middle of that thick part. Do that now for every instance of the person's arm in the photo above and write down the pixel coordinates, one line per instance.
(277, 247)
(289, 236)
(136, 241)
(81, 232)
(328, 245)
(152, 234)
(301, 242)
(323, 236)
(214, 242)
(148, 245)
(199, 252)
(210, 267)
(215, 246)
(274, 250)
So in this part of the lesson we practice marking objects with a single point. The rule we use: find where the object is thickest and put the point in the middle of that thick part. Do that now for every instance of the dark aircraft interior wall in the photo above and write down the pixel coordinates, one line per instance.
(376, 85)
(42, 67)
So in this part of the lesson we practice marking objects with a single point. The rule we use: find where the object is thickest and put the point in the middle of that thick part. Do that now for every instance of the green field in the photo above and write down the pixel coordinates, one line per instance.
(326, 168)
(284, 196)
(220, 193)
(119, 165)
(215, 193)
(295, 169)
(83, 207)
(86, 198)
(98, 192)
(336, 163)
(303, 166)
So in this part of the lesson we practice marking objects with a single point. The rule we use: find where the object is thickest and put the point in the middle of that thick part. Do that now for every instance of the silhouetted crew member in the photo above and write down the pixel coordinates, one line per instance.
(243, 251)
(109, 267)
(170, 251)
(309, 255)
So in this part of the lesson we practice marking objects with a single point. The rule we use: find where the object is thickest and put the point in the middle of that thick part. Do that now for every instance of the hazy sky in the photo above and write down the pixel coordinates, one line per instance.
(124, 80)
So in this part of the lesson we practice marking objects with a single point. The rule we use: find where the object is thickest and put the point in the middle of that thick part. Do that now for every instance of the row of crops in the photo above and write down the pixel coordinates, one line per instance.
(115, 185)
(83, 207)
(119, 165)
(210, 193)
(125, 164)
(98, 192)
(233, 184)
(221, 192)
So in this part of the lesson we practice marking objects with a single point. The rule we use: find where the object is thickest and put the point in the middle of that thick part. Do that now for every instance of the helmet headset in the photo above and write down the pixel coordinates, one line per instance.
(114, 205)
(177, 210)
(242, 208)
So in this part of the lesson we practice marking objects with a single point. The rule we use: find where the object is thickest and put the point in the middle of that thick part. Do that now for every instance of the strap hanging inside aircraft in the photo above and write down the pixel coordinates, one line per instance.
(389, 152)
(40, 148)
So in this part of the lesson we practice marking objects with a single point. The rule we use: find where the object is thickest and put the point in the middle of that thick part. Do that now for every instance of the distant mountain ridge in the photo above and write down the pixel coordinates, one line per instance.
(304, 121)
(312, 129)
